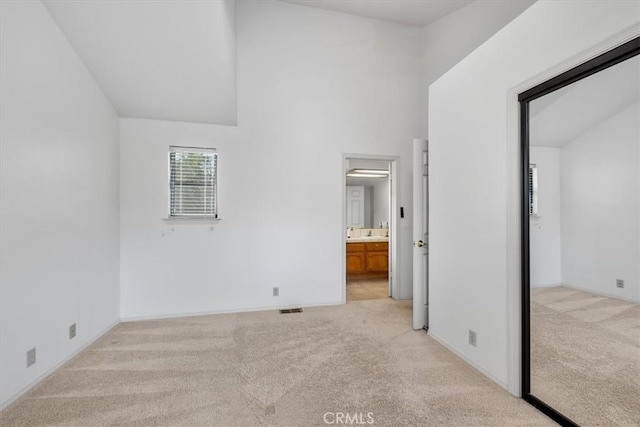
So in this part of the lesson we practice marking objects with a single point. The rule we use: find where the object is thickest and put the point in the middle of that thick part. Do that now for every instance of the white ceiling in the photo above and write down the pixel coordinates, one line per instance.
(561, 116)
(409, 12)
(169, 60)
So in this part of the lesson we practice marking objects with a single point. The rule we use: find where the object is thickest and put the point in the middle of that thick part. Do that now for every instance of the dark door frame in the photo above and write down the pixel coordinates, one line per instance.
(599, 63)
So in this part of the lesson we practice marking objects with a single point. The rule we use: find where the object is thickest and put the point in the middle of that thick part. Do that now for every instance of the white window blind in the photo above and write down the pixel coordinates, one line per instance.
(193, 182)
(533, 190)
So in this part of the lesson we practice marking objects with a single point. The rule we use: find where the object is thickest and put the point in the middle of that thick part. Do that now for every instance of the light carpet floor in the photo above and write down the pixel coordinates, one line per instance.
(585, 356)
(271, 369)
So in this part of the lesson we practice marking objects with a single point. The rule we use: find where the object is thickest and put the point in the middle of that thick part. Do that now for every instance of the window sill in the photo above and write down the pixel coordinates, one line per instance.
(192, 220)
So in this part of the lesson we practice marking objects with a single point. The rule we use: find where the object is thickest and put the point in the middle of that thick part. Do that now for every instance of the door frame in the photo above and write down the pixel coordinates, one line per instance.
(394, 223)
(601, 62)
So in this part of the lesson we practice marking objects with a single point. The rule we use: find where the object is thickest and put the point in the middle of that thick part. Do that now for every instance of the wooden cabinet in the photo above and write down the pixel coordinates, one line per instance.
(356, 259)
(377, 247)
(377, 262)
(371, 259)
(356, 263)
(355, 247)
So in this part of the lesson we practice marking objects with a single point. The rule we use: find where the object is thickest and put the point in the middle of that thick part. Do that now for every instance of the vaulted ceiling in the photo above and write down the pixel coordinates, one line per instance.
(176, 59)
(561, 116)
(168, 60)
(409, 12)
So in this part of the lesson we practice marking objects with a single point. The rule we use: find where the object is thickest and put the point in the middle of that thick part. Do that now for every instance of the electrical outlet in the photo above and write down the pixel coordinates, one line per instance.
(276, 291)
(72, 331)
(620, 283)
(473, 338)
(31, 357)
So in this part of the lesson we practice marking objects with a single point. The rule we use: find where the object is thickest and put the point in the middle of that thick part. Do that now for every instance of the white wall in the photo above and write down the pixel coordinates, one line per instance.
(470, 199)
(380, 209)
(545, 243)
(59, 199)
(313, 84)
(599, 176)
(454, 36)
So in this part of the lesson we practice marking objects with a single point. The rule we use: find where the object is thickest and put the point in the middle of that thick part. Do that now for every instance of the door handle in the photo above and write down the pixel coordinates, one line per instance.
(420, 244)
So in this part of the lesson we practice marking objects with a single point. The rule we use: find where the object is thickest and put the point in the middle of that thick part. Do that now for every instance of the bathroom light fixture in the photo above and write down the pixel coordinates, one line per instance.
(368, 173)
(365, 175)
(373, 171)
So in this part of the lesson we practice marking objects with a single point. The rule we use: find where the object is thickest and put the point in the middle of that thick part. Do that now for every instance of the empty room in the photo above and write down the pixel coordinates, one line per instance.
(319, 212)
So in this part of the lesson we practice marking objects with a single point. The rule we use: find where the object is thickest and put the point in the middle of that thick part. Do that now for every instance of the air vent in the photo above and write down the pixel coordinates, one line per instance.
(291, 310)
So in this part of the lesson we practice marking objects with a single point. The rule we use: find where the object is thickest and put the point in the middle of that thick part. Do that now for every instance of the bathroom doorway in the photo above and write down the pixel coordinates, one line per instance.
(368, 232)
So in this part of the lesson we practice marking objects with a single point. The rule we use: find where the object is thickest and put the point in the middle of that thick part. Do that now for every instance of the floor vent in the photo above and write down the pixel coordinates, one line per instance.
(291, 310)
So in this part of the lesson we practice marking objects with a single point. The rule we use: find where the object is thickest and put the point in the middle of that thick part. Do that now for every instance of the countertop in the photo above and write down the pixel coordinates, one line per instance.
(367, 239)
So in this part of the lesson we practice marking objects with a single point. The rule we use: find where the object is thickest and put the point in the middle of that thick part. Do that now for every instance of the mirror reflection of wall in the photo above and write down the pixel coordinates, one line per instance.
(585, 248)
(368, 194)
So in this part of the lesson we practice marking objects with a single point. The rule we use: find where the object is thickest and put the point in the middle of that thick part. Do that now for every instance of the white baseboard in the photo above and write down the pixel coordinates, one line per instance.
(229, 311)
(546, 285)
(603, 294)
(25, 389)
(468, 361)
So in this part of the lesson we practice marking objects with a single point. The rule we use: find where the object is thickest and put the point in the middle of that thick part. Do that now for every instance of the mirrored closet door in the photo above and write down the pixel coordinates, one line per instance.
(581, 242)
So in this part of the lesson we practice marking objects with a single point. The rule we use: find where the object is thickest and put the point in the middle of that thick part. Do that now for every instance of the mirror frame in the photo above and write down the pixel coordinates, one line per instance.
(593, 66)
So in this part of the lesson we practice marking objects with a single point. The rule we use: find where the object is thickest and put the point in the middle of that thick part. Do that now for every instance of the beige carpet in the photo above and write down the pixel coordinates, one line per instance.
(270, 369)
(585, 356)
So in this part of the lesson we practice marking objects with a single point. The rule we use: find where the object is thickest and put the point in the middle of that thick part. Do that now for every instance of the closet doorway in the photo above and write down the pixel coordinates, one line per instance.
(580, 161)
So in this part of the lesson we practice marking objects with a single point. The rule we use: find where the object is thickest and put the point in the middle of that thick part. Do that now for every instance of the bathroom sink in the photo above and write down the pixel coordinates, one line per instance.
(367, 238)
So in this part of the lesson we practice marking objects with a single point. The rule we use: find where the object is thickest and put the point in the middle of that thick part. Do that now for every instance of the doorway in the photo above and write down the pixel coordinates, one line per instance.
(369, 231)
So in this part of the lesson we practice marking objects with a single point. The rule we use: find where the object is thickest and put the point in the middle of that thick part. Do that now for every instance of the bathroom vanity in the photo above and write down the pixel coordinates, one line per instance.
(368, 256)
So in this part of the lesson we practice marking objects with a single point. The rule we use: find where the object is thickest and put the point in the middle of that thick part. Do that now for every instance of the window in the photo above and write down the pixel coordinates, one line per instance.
(193, 182)
(533, 190)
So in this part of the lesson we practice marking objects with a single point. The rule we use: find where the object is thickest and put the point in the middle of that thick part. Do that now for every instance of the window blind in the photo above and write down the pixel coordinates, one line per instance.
(533, 190)
(193, 182)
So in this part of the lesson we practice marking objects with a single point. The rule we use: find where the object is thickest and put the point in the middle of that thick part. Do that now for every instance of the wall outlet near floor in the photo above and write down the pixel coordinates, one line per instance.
(620, 283)
(472, 338)
(72, 331)
(31, 357)
(276, 291)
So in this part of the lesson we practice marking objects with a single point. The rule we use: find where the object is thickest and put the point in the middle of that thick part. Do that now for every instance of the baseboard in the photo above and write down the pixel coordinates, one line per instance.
(468, 361)
(603, 294)
(229, 311)
(5, 404)
(546, 285)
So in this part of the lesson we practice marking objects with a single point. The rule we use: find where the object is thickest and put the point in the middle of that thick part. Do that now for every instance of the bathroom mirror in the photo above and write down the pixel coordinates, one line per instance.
(581, 208)
(368, 194)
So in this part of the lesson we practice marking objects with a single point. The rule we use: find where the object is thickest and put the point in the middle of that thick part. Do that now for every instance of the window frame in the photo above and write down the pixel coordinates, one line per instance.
(195, 217)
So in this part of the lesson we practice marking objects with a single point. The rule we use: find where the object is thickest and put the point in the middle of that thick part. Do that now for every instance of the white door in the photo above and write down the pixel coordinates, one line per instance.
(420, 234)
(355, 206)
